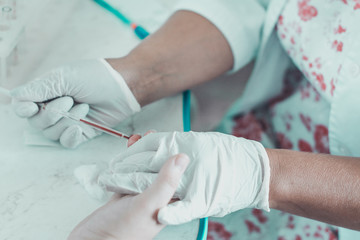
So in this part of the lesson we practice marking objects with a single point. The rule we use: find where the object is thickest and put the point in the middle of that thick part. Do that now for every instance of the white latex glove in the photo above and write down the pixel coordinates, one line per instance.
(133, 217)
(90, 88)
(225, 173)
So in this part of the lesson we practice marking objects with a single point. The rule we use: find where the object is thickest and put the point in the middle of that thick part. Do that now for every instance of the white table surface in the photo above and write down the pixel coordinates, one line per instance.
(39, 196)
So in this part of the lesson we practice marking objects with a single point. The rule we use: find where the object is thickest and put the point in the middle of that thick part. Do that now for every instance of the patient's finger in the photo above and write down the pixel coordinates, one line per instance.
(133, 139)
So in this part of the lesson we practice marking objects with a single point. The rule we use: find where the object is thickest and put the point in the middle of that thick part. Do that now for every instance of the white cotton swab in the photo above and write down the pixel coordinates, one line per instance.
(5, 91)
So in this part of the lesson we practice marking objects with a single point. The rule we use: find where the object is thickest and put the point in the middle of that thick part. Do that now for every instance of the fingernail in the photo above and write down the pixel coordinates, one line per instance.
(181, 161)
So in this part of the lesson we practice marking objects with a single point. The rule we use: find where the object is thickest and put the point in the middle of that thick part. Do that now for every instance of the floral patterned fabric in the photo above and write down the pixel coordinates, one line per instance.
(315, 34)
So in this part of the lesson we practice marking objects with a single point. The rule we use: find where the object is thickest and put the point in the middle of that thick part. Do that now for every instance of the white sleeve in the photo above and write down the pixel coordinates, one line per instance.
(240, 21)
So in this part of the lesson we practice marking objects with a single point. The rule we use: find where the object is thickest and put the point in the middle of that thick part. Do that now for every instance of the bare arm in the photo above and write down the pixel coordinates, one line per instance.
(187, 50)
(317, 186)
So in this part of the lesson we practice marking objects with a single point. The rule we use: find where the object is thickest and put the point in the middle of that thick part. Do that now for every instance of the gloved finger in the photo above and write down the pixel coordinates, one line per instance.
(24, 109)
(150, 142)
(54, 132)
(127, 183)
(46, 118)
(148, 161)
(162, 190)
(178, 213)
(138, 162)
(132, 183)
(73, 136)
(49, 86)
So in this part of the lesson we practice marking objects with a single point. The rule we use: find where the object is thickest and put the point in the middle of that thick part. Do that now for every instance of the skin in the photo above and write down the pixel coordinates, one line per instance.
(299, 184)
(317, 186)
(188, 50)
(134, 217)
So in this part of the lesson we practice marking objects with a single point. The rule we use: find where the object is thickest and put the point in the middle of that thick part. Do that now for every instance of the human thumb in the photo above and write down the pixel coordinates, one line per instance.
(162, 190)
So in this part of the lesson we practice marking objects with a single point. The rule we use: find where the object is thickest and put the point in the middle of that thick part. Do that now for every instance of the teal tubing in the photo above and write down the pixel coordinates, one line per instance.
(142, 33)
(203, 225)
(203, 229)
(113, 11)
(187, 110)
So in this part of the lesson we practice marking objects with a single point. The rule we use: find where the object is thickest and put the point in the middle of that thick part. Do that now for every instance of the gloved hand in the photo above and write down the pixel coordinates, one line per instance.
(225, 173)
(90, 88)
(126, 217)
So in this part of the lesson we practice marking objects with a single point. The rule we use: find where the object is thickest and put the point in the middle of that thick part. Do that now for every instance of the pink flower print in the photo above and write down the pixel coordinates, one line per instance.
(332, 87)
(318, 63)
(284, 142)
(287, 118)
(290, 224)
(340, 30)
(317, 96)
(292, 40)
(305, 92)
(332, 235)
(357, 4)
(252, 227)
(320, 80)
(344, 1)
(306, 12)
(321, 137)
(304, 146)
(281, 20)
(248, 127)
(339, 68)
(338, 45)
(259, 215)
(318, 235)
(217, 231)
(306, 121)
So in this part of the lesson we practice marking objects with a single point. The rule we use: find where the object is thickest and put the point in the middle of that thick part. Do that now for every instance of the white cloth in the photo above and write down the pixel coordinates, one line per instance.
(239, 22)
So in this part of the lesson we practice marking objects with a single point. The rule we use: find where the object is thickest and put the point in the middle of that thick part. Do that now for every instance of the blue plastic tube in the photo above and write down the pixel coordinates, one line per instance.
(141, 33)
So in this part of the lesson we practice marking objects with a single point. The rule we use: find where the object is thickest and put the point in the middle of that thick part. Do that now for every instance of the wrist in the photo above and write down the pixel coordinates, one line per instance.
(145, 77)
(130, 74)
(273, 155)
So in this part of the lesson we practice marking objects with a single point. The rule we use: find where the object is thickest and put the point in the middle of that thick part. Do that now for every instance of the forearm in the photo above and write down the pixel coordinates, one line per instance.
(186, 51)
(317, 186)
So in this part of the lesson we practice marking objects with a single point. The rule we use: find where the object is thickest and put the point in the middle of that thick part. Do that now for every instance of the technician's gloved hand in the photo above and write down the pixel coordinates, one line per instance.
(134, 217)
(89, 88)
(225, 173)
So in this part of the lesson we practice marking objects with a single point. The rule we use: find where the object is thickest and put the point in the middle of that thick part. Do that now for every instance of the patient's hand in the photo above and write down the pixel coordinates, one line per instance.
(134, 217)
